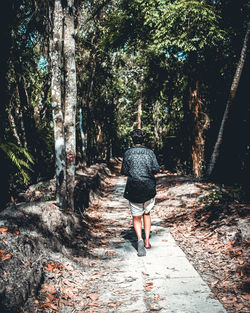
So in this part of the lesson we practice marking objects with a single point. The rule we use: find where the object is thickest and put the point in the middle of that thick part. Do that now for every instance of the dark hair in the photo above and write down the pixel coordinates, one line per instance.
(138, 136)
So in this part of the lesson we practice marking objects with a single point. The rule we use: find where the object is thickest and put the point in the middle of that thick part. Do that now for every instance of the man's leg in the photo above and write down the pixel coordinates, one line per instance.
(137, 223)
(147, 227)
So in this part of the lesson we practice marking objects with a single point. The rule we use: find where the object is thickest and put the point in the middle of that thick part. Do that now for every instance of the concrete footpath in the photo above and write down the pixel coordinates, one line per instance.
(163, 280)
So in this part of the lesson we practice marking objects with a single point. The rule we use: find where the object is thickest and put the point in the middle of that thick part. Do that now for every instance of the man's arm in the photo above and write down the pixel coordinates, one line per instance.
(155, 165)
(125, 168)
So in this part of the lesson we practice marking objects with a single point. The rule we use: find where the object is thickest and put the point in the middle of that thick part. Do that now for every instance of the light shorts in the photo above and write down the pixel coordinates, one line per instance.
(138, 209)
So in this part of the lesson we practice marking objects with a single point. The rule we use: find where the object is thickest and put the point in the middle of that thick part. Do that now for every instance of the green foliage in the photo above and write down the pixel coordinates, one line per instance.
(214, 197)
(19, 157)
(126, 50)
(183, 26)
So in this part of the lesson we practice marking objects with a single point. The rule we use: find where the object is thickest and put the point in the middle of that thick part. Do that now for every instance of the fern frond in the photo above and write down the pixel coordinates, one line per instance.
(28, 156)
(16, 154)
(25, 164)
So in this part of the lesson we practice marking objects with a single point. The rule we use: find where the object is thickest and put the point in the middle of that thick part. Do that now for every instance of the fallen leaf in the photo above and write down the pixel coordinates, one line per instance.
(51, 289)
(66, 302)
(4, 230)
(158, 298)
(50, 305)
(4, 256)
(104, 241)
(114, 304)
(145, 274)
(94, 304)
(213, 283)
(91, 279)
(110, 252)
(68, 283)
(50, 297)
(149, 288)
(149, 284)
(50, 267)
(93, 296)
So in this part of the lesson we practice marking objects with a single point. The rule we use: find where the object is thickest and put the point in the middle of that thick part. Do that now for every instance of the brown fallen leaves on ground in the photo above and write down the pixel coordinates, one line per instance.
(204, 222)
(211, 228)
(4, 255)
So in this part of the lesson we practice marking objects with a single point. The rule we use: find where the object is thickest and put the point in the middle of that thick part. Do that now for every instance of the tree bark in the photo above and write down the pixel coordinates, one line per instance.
(91, 127)
(13, 124)
(70, 101)
(56, 95)
(83, 137)
(139, 112)
(19, 113)
(201, 122)
(139, 102)
(27, 112)
(231, 97)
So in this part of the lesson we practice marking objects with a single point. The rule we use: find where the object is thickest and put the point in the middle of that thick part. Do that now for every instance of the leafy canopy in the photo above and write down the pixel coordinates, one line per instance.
(182, 25)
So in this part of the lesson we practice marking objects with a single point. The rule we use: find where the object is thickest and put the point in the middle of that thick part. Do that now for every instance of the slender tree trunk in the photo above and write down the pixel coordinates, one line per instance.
(83, 137)
(70, 100)
(139, 112)
(91, 131)
(201, 122)
(157, 125)
(19, 113)
(13, 124)
(139, 102)
(231, 97)
(27, 121)
(56, 94)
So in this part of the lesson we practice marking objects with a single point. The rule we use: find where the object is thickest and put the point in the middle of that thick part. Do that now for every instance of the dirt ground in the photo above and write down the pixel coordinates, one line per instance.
(207, 223)
(213, 230)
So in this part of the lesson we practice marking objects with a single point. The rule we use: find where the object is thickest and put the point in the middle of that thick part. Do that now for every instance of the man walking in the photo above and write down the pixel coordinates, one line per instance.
(140, 165)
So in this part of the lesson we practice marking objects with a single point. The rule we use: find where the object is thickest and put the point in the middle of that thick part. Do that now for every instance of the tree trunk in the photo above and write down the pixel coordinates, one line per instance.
(70, 100)
(27, 121)
(157, 125)
(201, 122)
(139, 112)
(19, 113)
(83, 137)
(139, 102)
(13, 124)
(91, 127)
(231, 97)
(56, 95)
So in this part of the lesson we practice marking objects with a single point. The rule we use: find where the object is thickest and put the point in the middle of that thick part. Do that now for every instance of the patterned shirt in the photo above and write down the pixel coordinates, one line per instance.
(140, 165)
